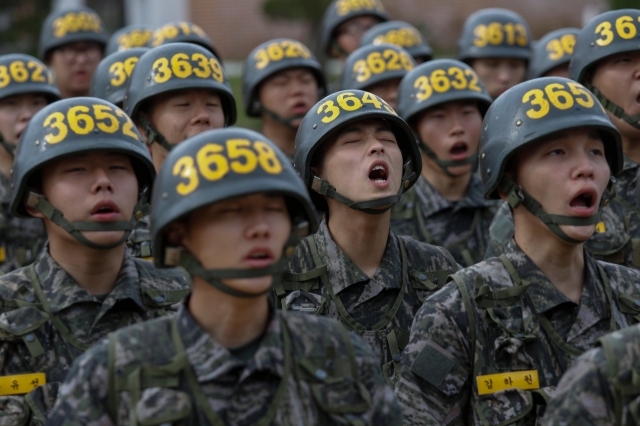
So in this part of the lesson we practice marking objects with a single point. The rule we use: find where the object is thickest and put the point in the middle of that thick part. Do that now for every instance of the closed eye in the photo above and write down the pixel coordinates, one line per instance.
(556, 152)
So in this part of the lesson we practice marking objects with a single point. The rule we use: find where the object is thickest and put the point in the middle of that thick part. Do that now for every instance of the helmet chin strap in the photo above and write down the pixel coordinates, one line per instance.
(517, 196)
(214, 277)
(41, 204)
(11, 149)
(445, 164)
(153, 134)
(287, 122)
(632, 120)
(324, 188)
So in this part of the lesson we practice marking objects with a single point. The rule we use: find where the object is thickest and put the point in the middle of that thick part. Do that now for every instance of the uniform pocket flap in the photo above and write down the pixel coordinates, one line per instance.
(159, 405)
(504, 407)
(438, 368)
(22, 320)
(341, 397)
(163, 298)
(429, 280)
(13, 411)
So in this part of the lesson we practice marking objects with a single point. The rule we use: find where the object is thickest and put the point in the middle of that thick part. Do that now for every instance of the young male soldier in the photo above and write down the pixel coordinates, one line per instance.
(552, 54)
(27, 87)
(497, 44)
(490, 347)
(281, 81)
(229, 357)
(358, 157)
(377, 69)
(175, 91)
(446, 206)
(345, 21)
(183, 32)
(82, 169)
(110, 80)
(129, 37)
(72, 43)
(609, 65)
(401, 34)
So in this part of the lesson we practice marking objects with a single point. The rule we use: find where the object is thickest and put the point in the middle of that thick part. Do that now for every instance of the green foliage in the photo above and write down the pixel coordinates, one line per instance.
(26, 17)
(296, 10)
(623, 4)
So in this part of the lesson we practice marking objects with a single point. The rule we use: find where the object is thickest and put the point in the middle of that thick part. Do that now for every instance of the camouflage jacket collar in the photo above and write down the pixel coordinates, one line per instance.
(432, 202)
(210, 360)
(343, 272)
(545, 296)
(5, 189)
(63, 291)
(628, 164)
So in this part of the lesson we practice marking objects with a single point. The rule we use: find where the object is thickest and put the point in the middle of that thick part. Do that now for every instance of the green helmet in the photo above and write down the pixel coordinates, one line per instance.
(401, 34)
(434, 83)
(22, 74)
(606, 35)
(269, 58)
(552, 50)
(340, 11)
(128, 38)
(184, 186)
(71, 25)
(183, 32)
(375, 63)
(176, 66)
(494, 33)
(74, 126)
(528, 112)
(110, 79)
(325, 119)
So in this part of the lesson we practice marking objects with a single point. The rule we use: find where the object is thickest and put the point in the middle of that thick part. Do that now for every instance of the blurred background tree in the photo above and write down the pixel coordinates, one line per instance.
(307, 11)
(624, 4)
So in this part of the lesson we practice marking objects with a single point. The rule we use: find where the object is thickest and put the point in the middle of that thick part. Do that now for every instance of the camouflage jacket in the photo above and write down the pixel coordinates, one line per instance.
(47, 320)
(139, 242)
(617, 236)
(522, 323)
(300, 374)
(20, 239)
(380, 308)
(601, 387)
(461, 227)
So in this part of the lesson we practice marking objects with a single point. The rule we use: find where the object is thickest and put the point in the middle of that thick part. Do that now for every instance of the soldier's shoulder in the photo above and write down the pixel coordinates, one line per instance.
(148, 342)
(621, 276)
(14, 283)
(161, 278)
(301, 260)
(490, 272)
(422, 255)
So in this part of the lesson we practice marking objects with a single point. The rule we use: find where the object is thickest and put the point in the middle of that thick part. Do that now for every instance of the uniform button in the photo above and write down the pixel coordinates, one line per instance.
(29, 338)
(396, 358)
(422, 277)
(626, 376)
(329, 364)
(321, 374)
(409, 205)
(31, 298)
(160, 298)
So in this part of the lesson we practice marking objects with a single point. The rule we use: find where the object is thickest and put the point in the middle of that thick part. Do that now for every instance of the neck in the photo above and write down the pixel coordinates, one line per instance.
(631, 148)
(283, 136)
(6, 162)
(451, 188)
(234, 321)
(94, 270)
(562, 263)
(361, 236)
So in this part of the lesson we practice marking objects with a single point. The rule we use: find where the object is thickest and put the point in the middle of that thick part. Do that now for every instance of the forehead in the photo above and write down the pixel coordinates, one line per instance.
(631, 54)
(87, 157)
(290, 73)
(363, 125)
(79, 45)
(192, 93)
(23, 97)
(363, 19)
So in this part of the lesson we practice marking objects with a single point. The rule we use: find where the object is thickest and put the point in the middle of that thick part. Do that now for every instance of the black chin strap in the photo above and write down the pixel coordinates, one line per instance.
(632, 120)
(153, 135)
(11, 149)
(517, 196)
(324, 188)
(284, 121)
(445, 164)
(41, 204)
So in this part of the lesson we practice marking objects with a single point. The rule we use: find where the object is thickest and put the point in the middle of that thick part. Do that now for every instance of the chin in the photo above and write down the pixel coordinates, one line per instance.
(460, 170)
(104, 238)
(580, 233)
(251, 285)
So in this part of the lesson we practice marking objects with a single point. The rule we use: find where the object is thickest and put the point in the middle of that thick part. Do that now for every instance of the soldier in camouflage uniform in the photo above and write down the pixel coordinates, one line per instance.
(20, 239)
(229, 357)
(175, 91)
(88, 188)
(281, 81)
(446, 207)
(357, 157)
(609, 68)
(490, 347)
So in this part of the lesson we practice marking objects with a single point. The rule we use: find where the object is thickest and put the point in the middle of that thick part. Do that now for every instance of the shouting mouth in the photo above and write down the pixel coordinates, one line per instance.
(459, 151)
(378, 175)
(584, 203)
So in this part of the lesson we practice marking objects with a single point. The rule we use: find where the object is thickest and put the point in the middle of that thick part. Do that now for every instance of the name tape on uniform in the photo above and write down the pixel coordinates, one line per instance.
(277, 51)
(21, 383)
(3, 254)
(74, 22)
(441, 81)
(558, 48)
(171, 31)
(524, 380)
(181, 65)
(82, 120)
(497, 33)
(19, 72)
(601, 228)
(381, 62)
(347, 101)
(624, 27)
(214, 161)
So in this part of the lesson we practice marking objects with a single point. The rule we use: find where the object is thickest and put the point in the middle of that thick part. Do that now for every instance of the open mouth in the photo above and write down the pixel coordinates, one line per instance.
(259, 258)
(585, 200)
(105, 208)
(378, 174)
(460, 148)
(300, 108)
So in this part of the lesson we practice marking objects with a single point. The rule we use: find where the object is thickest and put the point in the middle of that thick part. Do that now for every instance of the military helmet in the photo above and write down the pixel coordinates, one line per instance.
(325, 120)
(437, 82)
(183, 32)
(494, 33)
(110, 79)
(340, 11)
(129, 37)
(271, 57)
(375, 63)
(401, 34)
(71, 25)
(552, 50)
(185, 183)
(177, 66)
(26, 74)
(533, 110)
